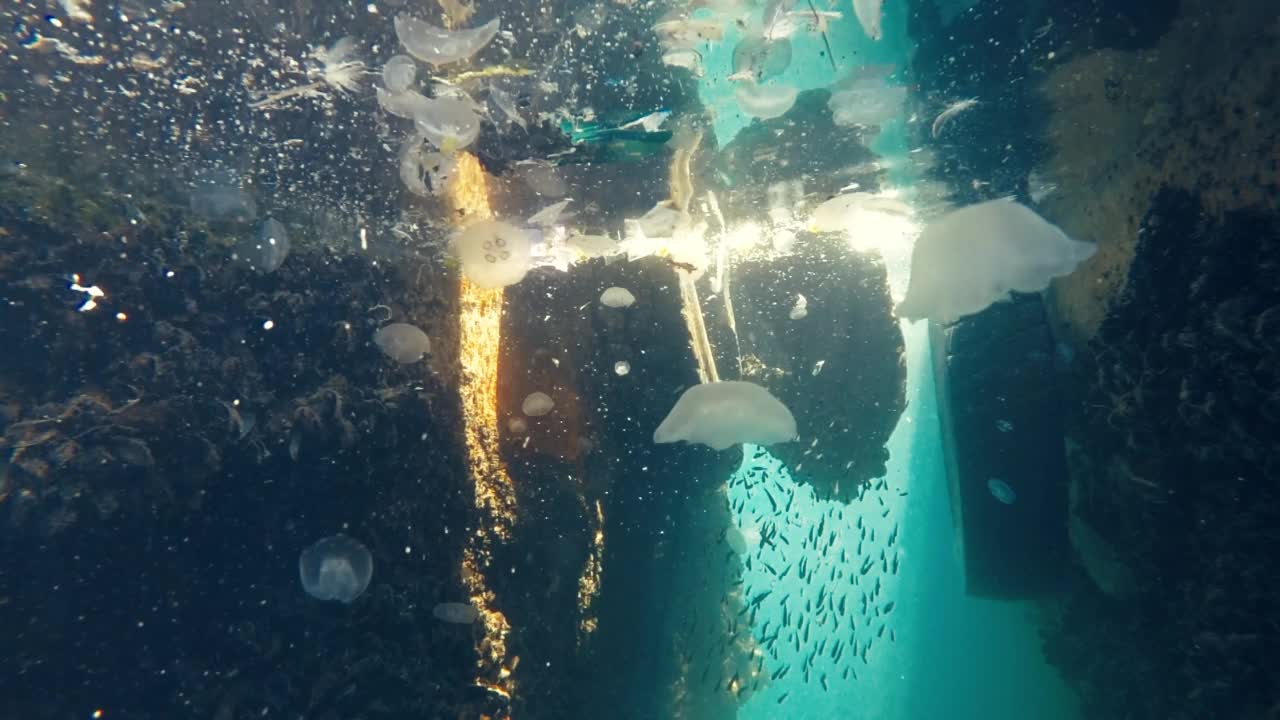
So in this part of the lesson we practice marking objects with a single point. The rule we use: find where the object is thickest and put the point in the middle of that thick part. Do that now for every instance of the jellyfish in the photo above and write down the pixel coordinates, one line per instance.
(493, 254)
(616, 297)
(447, 122)
(402, 342)
(1000, 490)
(622, 367)
(335, 568)
(538, 403)
(399, 73)
(761, 59)
(723, 414)
(267, 250)
(458, 613)
(425, 172)
(437, 46)
(971, 258)
(765, 101)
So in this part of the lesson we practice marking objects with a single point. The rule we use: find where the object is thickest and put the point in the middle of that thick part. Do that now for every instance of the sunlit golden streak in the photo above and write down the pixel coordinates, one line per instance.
(480, 332)
(589, 581)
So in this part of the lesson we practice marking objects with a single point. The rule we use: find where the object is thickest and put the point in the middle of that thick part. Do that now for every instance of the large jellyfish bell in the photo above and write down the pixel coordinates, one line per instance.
(335, 568)
(493, 254)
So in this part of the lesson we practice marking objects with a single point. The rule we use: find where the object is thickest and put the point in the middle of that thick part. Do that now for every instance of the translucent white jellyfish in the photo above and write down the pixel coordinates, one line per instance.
(675, 31)
(973, 257)
(537, 404)
(1000, 490)
(402, 342)
(840, 212)
(335, 568)
(542, 178)
(448, 123)
(687, 58)
(399, 73)
(723, 414)
(517, 426)
(438, 46)
(765, 101)
(622, 367)
(616, 297)
(869, 14)
(266, 250)
(405, 104)
(761, 59)
(866, 98)
(222, 198)
(800, 310)
(507, 104)
(458, 613)
(493, 254)
(422, 170)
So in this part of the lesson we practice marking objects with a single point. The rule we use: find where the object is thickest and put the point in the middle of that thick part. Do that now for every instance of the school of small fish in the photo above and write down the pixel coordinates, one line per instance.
(843, 562)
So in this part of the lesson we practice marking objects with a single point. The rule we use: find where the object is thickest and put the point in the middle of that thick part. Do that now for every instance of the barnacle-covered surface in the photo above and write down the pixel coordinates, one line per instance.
(842, 362)
(1173, 477)
(1173, 470)
(1149, 131)
(168, 453)
(1192, 117)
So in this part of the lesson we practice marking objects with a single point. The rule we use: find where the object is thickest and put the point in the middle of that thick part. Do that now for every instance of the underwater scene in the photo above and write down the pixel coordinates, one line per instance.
(640, 360)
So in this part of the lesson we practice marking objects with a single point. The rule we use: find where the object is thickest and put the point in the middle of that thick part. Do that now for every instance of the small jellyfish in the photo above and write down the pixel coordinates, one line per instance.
(402, 342)
(622, 367)
(766, 101)
(800, 310)
(493, 254)
(616, 297)
(459, 613)
(399, 73)
(266, 251)
(335, 568)
(538, 403)
(517, 426)
(1000, 490)
(439, 46)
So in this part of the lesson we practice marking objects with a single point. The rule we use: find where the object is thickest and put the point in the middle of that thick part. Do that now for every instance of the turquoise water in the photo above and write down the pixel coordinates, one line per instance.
(955, 656)
(943, 654)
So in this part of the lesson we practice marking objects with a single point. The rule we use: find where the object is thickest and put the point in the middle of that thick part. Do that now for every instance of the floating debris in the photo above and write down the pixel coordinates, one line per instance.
(954, 109)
